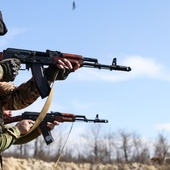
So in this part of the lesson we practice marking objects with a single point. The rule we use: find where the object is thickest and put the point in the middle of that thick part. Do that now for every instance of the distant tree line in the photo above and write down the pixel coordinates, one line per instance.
(95, 146)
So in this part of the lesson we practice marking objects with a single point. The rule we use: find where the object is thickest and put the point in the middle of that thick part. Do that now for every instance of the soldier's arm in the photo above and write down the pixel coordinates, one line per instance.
(12, 135)
(7, 138)
(16, 98)
(31, 136)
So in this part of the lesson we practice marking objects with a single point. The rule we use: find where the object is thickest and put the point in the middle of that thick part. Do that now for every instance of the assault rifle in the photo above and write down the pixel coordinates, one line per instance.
(51, 117)
(36, 60)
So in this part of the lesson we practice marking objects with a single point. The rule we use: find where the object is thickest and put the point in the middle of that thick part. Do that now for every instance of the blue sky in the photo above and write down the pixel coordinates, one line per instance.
(137, 33)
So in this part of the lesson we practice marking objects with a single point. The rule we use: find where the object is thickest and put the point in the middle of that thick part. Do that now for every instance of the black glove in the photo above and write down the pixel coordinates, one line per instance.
(10, 68)
(54, 73)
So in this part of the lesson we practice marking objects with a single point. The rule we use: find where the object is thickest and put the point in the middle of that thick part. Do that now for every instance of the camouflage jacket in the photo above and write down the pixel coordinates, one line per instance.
(16, 98)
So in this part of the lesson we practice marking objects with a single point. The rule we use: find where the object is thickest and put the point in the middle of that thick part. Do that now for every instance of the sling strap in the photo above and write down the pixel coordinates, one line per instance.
(42, 113)
(2, 126)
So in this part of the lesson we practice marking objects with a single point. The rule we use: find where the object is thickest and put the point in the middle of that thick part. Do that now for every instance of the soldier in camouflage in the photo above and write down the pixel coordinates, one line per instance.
(16, 98)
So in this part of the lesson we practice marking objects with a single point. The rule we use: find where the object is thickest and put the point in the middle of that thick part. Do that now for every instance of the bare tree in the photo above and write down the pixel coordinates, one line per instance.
(94, 142)
(36, 147)
(144, 154)
(140, 149)
(126, 146)
(40, 148)
(136, 140)
(161, 146)
(94, 148)
(110, 148)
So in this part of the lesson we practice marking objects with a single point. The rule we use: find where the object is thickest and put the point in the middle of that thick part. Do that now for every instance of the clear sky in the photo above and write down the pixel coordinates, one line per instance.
(137, 33)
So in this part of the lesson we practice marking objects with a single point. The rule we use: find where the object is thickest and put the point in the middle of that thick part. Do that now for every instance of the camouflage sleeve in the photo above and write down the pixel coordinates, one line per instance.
(8, 137)
(1, 72)
(13, 136)
(16, 98)
(31, 136)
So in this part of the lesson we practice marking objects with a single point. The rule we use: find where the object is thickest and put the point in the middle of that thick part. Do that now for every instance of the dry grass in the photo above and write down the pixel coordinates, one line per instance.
(33, 164)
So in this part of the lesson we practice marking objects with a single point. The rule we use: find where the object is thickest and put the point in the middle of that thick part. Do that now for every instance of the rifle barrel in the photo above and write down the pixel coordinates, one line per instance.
(108, 67)
(84, 119)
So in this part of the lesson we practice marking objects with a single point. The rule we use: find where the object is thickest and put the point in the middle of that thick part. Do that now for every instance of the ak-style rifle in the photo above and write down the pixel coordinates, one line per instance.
(36, 60)
(51, 117)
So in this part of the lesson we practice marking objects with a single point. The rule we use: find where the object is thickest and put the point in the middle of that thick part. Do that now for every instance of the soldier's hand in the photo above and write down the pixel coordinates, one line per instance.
(24, 126)
(7, 114)
(52, 125)
(61, 70)
(10, 68)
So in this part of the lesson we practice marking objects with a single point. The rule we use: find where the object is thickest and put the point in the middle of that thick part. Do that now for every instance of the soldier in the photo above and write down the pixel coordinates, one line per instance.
(15, 98)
